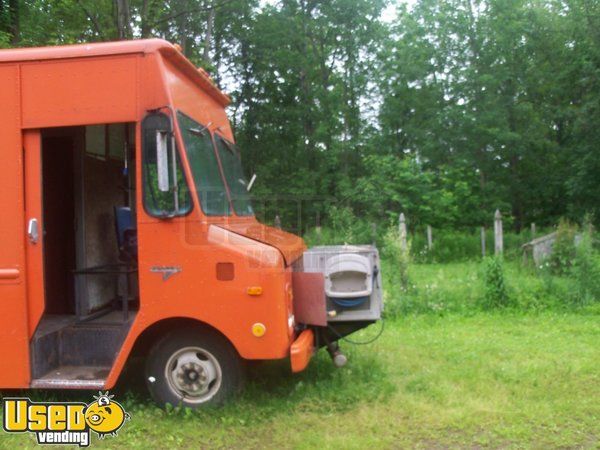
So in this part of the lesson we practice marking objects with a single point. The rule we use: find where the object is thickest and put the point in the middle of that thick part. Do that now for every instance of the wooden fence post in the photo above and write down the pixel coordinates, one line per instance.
(498, 236)
(277, 221)
(402, 231)
(483, 242)
(532, 230)
(429, 238)
(318, 228)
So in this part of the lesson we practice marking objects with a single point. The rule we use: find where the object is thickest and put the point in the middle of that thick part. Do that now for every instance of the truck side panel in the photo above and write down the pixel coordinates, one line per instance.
(14, 337)
(85, 91)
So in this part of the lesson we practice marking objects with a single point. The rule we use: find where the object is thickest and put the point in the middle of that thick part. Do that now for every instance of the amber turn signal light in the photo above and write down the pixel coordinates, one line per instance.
(254, 290)
(258, 329)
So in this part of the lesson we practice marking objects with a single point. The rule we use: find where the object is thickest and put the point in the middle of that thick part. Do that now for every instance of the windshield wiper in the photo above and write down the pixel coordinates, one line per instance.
(201, 131)
(252, 180)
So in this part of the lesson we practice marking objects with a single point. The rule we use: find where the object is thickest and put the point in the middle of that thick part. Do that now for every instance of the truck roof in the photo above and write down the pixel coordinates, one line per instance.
(166, 49)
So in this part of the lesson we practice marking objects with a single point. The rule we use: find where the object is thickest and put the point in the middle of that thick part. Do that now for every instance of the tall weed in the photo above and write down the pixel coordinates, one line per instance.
(563, 249)
(585, 271)
(398, 256)
(495, 290)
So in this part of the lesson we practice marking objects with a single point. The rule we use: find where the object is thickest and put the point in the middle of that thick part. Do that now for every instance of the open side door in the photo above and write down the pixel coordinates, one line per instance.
(34, 239)
(14, 329)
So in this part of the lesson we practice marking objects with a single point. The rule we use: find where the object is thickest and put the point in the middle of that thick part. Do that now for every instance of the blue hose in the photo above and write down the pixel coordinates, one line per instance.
(349, 302)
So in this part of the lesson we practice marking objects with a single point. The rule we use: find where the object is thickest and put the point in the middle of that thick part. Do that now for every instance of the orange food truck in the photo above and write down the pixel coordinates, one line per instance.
(126, 229)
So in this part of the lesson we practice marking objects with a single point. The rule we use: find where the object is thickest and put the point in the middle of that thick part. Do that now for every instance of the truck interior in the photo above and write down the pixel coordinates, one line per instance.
(90, 253)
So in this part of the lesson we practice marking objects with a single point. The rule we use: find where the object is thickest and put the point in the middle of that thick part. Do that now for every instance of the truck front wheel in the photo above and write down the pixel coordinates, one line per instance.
(193, 368)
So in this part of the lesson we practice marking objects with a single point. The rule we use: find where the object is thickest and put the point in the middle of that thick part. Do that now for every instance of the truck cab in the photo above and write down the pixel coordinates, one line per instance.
(127, 228)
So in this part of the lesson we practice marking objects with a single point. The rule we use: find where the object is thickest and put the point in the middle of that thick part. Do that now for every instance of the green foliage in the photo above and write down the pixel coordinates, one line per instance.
(563, 250)
(446, 113)
(449, 111)
(399, 258)
(586, 272)
(4, 40)
(344, 224)
(345, 228)
(448, 246)
(454, 245)
(460, 288)
(495, 289)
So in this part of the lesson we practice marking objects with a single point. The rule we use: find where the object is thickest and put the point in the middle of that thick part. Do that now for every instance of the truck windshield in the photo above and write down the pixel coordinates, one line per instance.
(234, 175)
(204, 166)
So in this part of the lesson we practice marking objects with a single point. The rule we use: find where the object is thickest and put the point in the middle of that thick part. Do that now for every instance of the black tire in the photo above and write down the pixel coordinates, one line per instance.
(177, 385)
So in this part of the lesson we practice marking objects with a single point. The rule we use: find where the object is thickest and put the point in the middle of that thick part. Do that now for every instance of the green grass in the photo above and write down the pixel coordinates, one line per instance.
(458, 288)
(494, 380)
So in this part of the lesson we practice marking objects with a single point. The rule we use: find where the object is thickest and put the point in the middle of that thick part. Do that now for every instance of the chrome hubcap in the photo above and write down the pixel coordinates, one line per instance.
(193, 374)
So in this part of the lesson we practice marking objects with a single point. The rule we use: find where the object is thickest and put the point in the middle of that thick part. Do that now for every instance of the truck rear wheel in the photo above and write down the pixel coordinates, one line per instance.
(193, 368)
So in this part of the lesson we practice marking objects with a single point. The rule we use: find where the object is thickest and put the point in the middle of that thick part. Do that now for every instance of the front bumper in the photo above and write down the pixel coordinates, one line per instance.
(302, 350)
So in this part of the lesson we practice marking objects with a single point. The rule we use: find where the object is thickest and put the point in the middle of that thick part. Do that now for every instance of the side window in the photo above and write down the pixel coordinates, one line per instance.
(165, 191)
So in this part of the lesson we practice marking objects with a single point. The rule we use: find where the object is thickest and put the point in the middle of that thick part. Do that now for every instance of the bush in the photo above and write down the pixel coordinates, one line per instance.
(585, 271)
(563, 249)
(398, 256)
(495, 290)
(4, 40)
(448, 246)
(343, 228)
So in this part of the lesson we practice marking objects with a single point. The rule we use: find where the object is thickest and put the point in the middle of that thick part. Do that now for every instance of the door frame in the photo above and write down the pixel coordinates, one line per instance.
(34, 252)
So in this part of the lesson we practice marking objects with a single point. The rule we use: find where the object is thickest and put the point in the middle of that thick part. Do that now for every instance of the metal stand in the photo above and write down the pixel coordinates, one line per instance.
(124, 270)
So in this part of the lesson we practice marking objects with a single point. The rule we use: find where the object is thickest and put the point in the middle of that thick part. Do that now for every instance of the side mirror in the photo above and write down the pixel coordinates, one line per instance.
(162, 160)
(160, 164)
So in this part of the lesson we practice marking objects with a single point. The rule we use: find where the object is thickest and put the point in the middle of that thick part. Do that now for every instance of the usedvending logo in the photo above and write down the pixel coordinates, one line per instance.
(64, 422)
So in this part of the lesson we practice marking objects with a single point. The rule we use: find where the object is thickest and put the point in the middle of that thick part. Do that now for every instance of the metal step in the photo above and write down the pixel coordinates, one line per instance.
(77, 355)
(91, 344)
(73, 377)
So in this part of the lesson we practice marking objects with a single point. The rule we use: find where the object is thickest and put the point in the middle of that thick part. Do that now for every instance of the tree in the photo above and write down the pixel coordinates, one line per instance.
(452, 110)
(123, 19)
